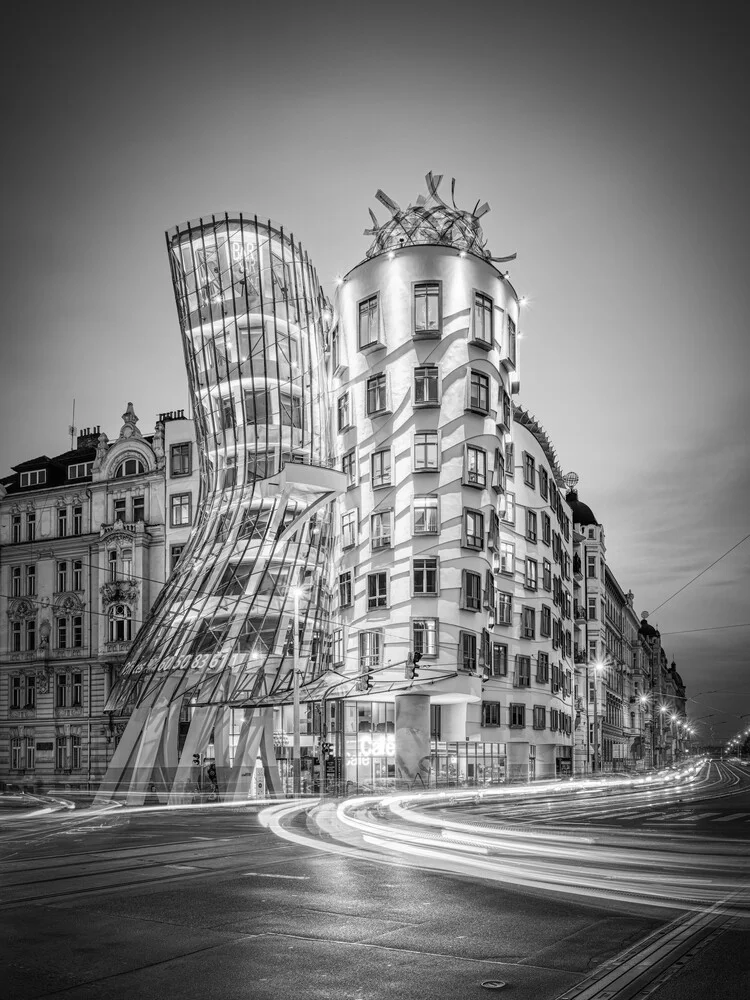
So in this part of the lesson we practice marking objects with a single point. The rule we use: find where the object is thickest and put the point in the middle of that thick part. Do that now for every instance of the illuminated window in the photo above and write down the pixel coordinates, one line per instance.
(427, 319)
(426, 520)
(482, 320)
(426, 386)
(425, 636)
(425, 577)
(130, 467)
(369, 322)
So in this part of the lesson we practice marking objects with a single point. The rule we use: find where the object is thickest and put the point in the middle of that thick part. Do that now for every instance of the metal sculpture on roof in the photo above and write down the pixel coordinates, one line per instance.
(221, 635)
(431, 220)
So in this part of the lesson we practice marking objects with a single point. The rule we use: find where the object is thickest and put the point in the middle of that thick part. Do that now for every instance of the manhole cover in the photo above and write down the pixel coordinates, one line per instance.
(493, 984)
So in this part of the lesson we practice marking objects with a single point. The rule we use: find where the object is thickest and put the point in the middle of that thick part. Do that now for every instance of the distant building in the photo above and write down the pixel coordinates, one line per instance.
(86, 538)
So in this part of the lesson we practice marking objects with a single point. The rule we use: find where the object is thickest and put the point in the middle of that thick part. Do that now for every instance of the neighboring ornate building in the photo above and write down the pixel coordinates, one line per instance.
(83, 555)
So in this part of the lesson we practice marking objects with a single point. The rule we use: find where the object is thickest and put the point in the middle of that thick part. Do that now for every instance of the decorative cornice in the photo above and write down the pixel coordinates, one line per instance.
(120, 591)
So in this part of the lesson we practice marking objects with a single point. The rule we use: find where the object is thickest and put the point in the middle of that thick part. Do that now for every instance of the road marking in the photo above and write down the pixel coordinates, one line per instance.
(301, 878)
(726, 819)
(187, 868)
(690, 819)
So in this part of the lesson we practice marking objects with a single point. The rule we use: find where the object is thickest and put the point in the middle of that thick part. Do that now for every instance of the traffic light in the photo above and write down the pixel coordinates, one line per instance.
(412, 670)
(196, 760)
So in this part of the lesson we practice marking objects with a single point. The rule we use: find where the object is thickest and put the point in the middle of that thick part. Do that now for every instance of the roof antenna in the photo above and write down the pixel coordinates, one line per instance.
(72, 427)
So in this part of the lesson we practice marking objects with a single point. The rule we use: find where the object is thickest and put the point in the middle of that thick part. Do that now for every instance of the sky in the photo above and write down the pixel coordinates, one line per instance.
(610, 140)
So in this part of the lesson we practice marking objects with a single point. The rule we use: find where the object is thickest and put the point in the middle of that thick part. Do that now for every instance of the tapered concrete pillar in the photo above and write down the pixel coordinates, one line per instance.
(412, 741)
(518, 761)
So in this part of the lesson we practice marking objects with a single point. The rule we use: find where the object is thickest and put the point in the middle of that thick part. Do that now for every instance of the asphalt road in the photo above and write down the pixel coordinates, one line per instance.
(209, 903)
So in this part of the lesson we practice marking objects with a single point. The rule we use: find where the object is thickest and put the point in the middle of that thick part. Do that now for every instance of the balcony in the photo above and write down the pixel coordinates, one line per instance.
(579, 613)
(577, 571)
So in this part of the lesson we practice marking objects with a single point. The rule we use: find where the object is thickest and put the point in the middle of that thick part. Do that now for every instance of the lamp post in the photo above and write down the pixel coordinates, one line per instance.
(644, 702)
(598, 667)
(296, 763)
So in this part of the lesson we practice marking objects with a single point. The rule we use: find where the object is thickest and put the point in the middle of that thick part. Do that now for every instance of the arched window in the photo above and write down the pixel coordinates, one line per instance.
(120, 621)
(130, 467)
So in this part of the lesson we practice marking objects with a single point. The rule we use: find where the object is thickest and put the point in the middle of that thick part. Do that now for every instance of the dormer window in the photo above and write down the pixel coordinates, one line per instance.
(80, 470)
(130, 467)
(35, 478)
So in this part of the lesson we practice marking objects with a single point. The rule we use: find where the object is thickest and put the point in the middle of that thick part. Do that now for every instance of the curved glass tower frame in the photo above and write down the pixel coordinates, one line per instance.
(254, 325)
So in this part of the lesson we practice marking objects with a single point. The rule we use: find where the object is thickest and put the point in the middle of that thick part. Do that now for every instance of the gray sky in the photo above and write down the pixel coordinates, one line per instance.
(609, 139)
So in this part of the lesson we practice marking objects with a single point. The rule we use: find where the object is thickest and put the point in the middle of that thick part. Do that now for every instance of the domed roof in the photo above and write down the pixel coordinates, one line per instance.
(647, 630)
(582, 513)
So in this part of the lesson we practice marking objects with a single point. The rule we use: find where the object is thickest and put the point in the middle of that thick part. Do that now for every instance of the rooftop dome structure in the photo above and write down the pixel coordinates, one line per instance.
(432, 221)
(582, 513)
(648, 631)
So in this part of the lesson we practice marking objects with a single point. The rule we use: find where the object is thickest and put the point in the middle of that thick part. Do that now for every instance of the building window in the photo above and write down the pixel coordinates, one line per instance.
(61, 691)
(504, 608)
(77, 631)
(369, 322)
(468, 651)
(349, 528)
(31, 526)
(345, 589)
(344, 416)
(591, 566)
(257, 407)
(31, 580)
(425, 515)
(139, 509)
(226, 413)
(30, 691)
(511, 341)
(522, 676)
(120, 623)
(528, 626)
(499, 667)
(425, 451)
(337, 648)
(62, 577)
(15, 754)
(119, 509)
(15, 531)
(130, 467)
(380, 529)
(426, 386)
(532, 574)
(425, 636)
(180, 459)
(473, 529)
(540, 717)
(36, 478)
(376, 397)
(479, 392)
(543, 483)
(425, 577)
(15, 637)
(15, 692)
(380, 468)
(542, 668)
(545, 624)
(78, 520)
(77, 690)
(62, 633)
(529, 470)
(75, 752)
(509, 514)
(546, 574)
(62, 522)
(179, 507)
(507, 558)
(175, 551)
(546, 528)
(592, 609)
(30, 634)
(471, 591)
(80, 470)
(349, 468)
(475, 466)
(427, 320)
(15, 581)
(498, 472)
(482, 320)
(530, 525)
(370, 650)
(510, 459)
(30, 754)
(490, 713)
(517, 716)
(291, 410)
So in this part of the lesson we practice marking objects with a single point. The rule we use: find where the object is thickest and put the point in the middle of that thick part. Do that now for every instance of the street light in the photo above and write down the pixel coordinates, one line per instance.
(598, 667)
(644, 701)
